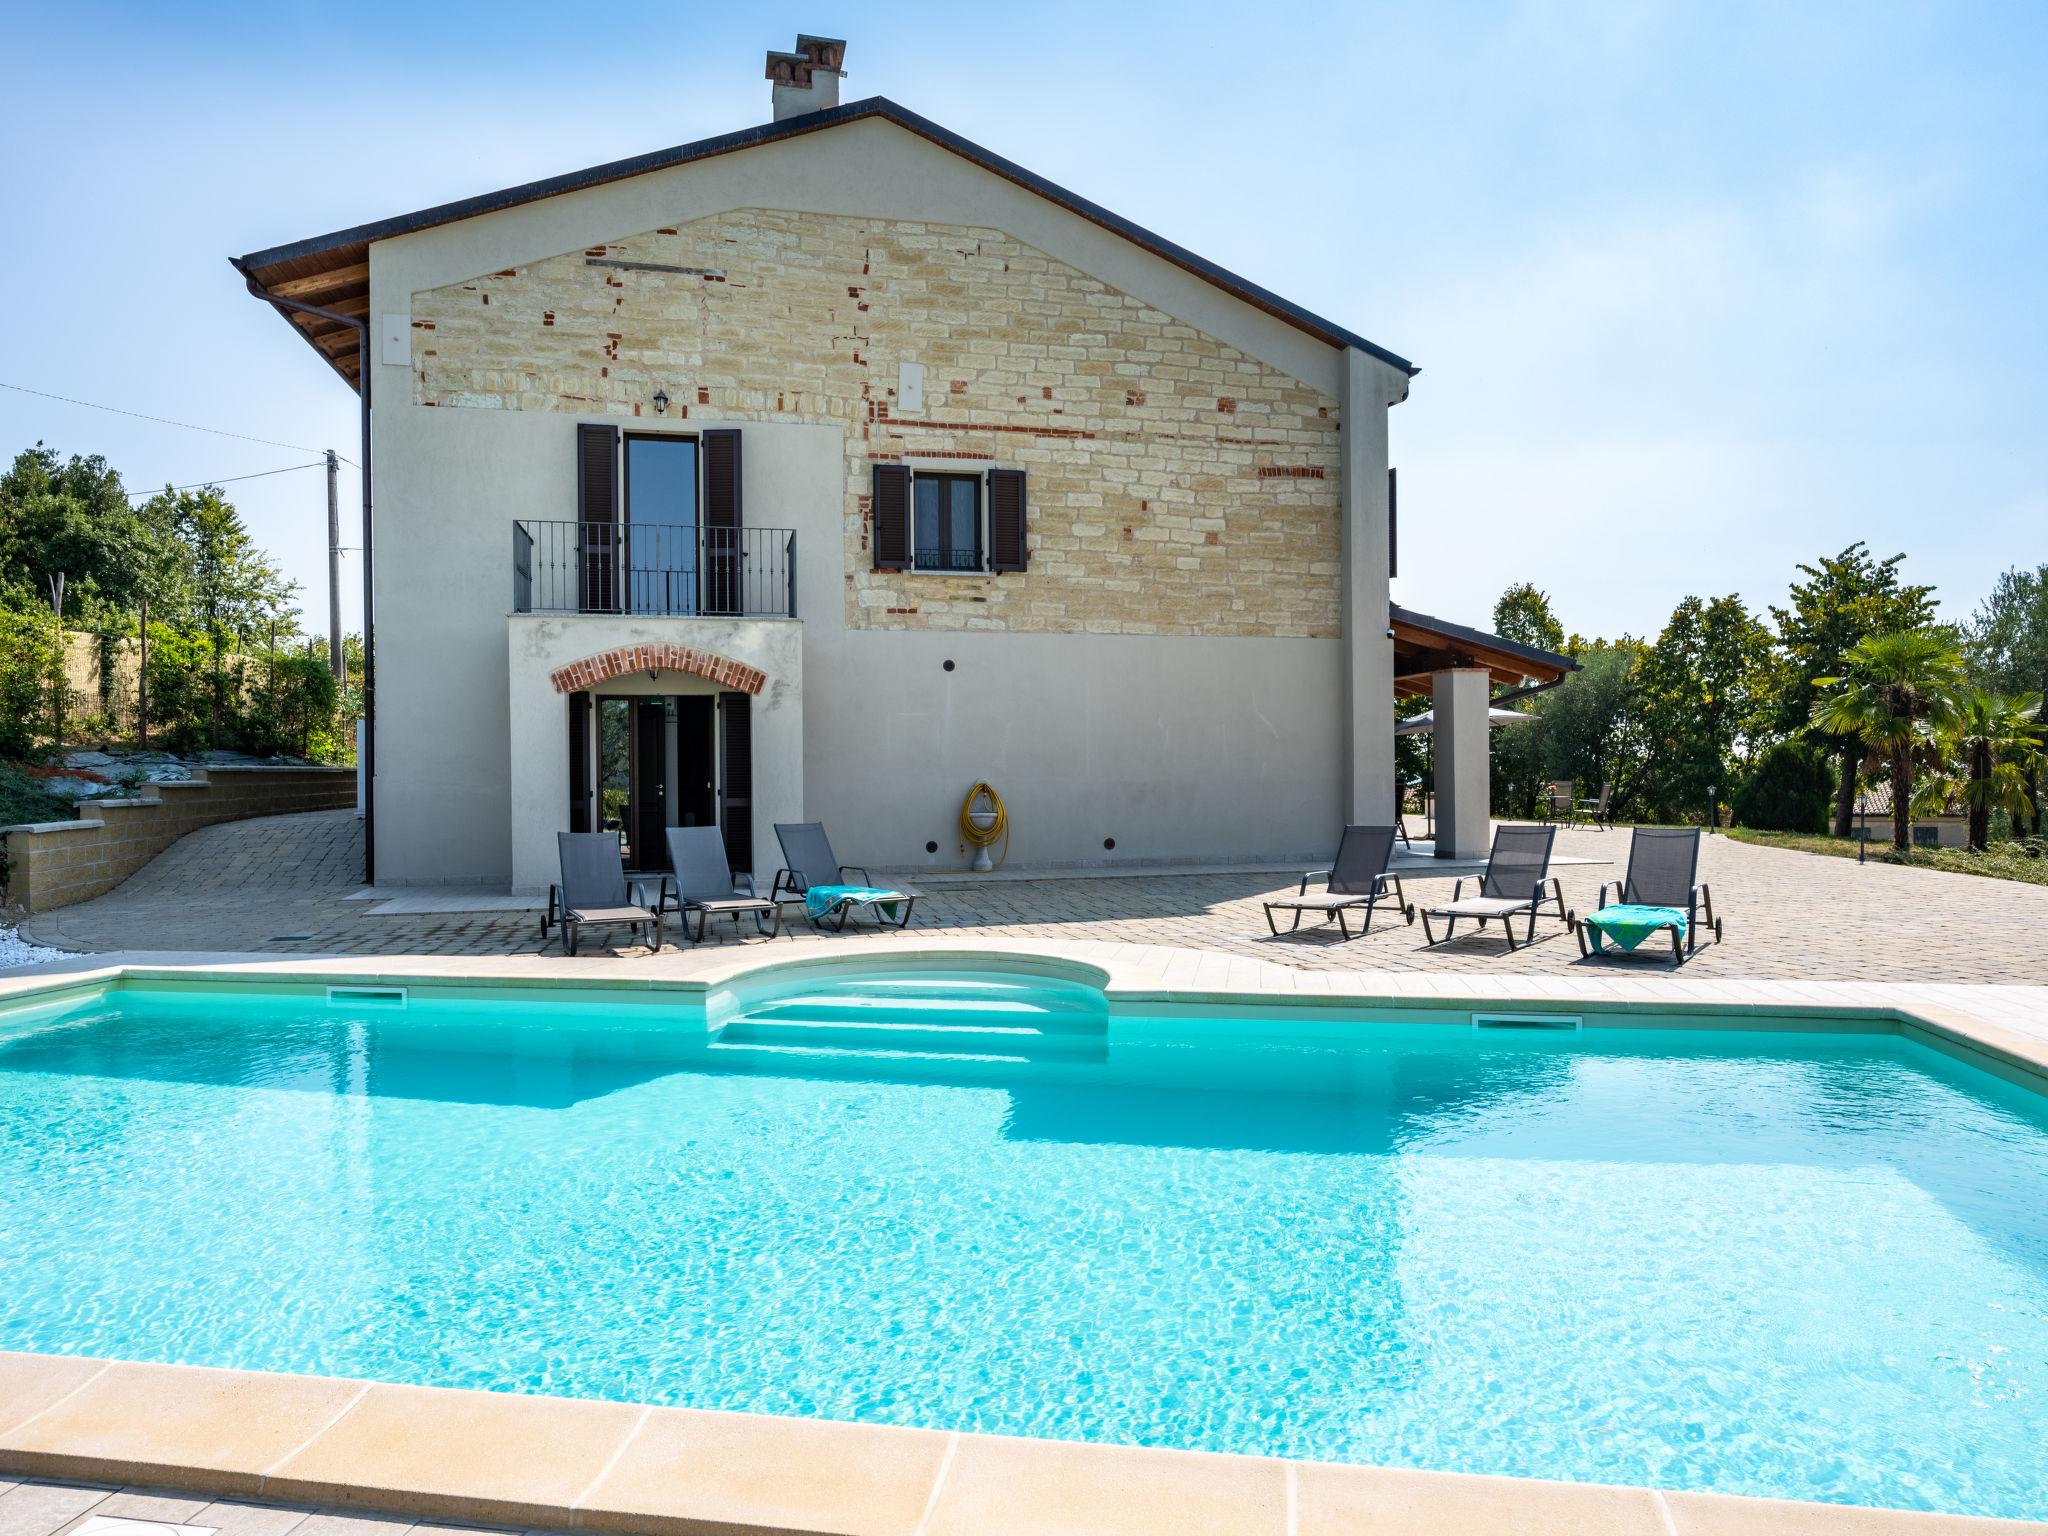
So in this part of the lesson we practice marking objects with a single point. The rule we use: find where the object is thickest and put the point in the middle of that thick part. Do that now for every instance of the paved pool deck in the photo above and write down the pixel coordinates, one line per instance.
(291, 885)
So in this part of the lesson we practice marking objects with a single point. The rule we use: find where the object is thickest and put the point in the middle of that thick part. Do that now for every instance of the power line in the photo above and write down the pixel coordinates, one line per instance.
(231, 479)
(166, 421)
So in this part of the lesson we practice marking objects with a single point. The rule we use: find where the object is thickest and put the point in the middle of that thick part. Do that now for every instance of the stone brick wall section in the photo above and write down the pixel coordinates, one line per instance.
(1177, 486)
(54, 864)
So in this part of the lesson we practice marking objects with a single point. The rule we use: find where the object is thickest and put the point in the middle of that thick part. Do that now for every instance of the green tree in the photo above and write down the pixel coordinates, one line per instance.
(1523, 615)
(233, 589)
(1995, 739)
(1844, 599)
(1895, 692)
(1516, 762)
(1591, 724)
(1787, 791)
(1706, 691)
(2007, 651)
(70, 517)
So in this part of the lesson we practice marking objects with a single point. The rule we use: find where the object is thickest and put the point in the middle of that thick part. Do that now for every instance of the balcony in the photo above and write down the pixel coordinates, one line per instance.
(680, 569)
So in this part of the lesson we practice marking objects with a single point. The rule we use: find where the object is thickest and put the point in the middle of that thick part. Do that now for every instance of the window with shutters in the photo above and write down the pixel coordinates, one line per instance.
(942, 521)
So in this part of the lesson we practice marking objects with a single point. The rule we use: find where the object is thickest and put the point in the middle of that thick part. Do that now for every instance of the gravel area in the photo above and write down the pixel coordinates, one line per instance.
(15, 950)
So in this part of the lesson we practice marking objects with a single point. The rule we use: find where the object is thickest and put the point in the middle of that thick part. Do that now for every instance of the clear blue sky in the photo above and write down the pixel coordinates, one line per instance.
(1698, 290)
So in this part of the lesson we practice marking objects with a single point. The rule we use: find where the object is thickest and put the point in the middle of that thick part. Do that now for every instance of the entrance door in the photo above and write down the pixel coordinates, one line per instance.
(696, 786)
(647, 813)
(655, 762)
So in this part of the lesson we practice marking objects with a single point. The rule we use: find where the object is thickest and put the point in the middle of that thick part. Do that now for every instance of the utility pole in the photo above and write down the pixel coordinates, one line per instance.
(142, 680)
(63, 656)
(335, 662)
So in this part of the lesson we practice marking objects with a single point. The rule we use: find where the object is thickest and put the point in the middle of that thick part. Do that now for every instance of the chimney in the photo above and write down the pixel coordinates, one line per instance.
(807, 80)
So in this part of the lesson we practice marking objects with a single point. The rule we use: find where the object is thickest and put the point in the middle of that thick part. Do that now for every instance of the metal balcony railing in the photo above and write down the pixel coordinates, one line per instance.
(654, 568)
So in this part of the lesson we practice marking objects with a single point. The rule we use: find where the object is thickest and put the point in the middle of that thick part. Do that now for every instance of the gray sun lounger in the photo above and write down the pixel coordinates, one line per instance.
(808, 861)
(1516, 872)
(701, 881)
(1661, 864)
(1358, 879)
(592, 892)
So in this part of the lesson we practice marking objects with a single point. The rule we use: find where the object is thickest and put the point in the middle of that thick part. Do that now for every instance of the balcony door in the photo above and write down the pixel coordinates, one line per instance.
(661, 535)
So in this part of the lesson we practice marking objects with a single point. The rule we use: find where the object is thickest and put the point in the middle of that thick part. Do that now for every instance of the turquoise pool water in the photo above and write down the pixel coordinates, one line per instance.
(1800, 1265)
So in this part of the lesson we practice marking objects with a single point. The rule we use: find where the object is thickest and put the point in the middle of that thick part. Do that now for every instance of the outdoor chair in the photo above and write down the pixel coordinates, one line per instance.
(1516, 872)
(1594, 811)
(1359, 878)
(592, 892)
(811, 872)
(1557, 800)
(701, 881)
(1657, 894)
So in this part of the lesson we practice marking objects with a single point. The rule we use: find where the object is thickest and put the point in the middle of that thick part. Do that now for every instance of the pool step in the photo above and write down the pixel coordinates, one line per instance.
(940, 1010)
(953, 1032)
(970, 991)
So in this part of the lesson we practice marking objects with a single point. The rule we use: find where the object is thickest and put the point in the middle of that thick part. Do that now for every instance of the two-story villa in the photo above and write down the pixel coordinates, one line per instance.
(820, 470)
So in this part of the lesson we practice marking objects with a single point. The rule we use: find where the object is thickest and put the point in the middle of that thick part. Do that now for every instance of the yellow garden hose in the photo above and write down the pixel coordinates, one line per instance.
(982, 800)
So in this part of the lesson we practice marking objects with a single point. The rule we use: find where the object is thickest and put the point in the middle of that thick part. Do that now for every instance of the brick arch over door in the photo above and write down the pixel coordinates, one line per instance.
(620, 660)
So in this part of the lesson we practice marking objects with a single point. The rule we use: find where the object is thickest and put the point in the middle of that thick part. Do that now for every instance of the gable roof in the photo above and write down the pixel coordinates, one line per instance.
(333, 270)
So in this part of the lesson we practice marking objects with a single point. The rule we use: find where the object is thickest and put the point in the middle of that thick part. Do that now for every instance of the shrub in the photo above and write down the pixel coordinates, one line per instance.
(1790, 790)
(28, 677)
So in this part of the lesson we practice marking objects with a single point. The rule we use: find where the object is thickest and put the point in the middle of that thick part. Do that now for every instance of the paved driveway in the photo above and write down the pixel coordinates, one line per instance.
(281, 884)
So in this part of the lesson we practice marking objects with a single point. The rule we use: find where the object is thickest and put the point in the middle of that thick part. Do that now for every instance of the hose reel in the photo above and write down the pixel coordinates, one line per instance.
(983, 824)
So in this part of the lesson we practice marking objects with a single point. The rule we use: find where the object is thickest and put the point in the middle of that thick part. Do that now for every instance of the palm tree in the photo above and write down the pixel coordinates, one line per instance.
(1897, 690)
(1997, 738)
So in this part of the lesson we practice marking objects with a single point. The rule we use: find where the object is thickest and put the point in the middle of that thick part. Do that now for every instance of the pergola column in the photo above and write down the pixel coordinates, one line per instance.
(1461, 699)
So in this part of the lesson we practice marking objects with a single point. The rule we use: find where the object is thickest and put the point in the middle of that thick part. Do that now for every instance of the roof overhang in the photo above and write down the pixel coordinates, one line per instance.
(1424, 645)
(333, 270)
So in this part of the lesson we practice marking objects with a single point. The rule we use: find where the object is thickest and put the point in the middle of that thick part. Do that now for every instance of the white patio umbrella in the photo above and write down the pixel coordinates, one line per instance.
(1426, 721)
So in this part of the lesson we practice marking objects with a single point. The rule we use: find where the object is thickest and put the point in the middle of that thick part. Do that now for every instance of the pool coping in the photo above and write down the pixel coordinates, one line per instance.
(578, 1464)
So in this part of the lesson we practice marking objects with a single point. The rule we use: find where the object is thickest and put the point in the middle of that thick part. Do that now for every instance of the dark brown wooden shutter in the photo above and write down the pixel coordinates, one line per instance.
(723, 574)
(892, 517)
(597, 514)
(1007, 546)
(579, 762)
(736, 779)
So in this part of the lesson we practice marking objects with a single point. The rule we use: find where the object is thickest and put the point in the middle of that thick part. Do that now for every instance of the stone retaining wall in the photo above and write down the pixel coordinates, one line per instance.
(53, 864)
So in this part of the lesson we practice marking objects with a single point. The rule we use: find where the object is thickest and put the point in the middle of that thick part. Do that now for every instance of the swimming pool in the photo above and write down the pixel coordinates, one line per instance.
(1767, 1260)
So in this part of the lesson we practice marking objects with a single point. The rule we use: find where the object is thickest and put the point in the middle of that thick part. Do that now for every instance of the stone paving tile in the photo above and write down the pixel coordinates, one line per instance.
(278, 885)
(48, 1506)
(42, 1509)
(147, 1504)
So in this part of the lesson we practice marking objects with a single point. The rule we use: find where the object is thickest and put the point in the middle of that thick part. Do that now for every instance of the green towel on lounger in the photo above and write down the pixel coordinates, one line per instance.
(822, 900)
(1628, 926)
